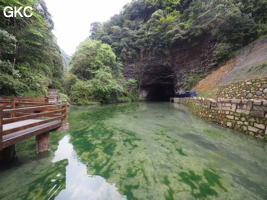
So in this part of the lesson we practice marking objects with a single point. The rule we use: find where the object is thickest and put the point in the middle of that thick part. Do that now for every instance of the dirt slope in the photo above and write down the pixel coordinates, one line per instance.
(215, 77)
(249, 63)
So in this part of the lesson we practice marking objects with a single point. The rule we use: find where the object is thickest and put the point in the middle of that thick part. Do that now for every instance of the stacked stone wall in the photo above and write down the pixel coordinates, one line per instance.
(247, 116)
(251, 89)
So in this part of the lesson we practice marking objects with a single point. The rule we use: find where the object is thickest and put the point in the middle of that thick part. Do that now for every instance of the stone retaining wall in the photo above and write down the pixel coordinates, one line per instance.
(247, 116)
(251, 89)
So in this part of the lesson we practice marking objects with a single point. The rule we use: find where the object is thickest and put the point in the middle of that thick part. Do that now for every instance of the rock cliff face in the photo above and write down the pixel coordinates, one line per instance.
(162, 75)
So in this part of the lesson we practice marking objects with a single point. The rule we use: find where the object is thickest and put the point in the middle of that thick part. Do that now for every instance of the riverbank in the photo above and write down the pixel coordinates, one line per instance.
(247, 116)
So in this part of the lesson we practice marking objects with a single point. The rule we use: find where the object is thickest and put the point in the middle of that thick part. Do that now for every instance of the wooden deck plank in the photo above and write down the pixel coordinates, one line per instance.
(18, 136)
(18, 128)
(26, 116)
(20, 123)
(12, 130)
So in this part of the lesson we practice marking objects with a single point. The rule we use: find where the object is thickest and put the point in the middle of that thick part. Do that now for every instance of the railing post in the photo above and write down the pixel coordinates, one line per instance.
(1, 125)
(8, 153)
(13, 106)
(64, 120)
(65, 125)
(46, 99)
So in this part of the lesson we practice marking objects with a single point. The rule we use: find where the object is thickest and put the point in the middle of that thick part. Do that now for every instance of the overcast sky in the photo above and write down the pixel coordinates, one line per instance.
(72, 18)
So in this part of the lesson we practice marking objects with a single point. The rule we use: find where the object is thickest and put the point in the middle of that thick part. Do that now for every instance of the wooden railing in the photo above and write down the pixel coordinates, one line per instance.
(19, 102)
(52, 96)
(48, 111)
(22, 98)
(1, 126)
(39, 113)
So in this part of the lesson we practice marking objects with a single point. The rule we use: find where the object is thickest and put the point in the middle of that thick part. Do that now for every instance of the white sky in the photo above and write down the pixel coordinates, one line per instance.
(72, 18)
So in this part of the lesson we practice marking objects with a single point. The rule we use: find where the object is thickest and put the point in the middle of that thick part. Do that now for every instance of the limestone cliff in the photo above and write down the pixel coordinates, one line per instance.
(162, 75)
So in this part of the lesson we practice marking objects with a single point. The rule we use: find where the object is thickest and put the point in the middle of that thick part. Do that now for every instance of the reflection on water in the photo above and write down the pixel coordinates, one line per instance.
(139, 151)
(80, 185)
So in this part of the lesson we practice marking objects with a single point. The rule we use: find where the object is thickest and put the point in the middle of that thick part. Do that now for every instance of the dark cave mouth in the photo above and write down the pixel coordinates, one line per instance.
(159, 92)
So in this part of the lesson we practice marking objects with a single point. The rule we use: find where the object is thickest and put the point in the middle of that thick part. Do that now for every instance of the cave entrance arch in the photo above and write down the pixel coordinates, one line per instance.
(157, 83)
(159, 92)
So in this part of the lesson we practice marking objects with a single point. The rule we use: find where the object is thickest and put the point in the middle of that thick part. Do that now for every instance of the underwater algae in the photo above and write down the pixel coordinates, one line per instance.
(146, 151)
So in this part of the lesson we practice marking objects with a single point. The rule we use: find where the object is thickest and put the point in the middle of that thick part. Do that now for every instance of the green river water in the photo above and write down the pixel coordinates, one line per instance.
(138, 151)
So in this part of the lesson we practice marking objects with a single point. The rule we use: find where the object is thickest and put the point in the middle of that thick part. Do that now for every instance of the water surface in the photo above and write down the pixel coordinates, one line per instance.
(139, 151)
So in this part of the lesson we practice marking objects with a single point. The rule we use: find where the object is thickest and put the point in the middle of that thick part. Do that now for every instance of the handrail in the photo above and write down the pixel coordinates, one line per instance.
(21, 97)
(16, 102)
(33, 102)
(6, 111)
(23, 114)
(32, 116)
(45, 111)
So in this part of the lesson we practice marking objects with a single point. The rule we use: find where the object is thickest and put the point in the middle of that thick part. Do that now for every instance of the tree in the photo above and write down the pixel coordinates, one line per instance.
(94, 28)
(98, 72)
(106, 88)
(30, 57)
(92, 55)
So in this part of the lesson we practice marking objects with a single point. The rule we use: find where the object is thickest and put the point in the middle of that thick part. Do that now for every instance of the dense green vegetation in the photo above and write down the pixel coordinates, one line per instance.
(30, 59)
(66, 60)
(146, 27)
(151, 27)
(95, 75)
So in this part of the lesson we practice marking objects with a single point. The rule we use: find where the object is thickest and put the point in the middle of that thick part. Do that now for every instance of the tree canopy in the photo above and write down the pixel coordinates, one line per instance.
(152, 26)
(95, 75)
(30, 59)
(91, 56)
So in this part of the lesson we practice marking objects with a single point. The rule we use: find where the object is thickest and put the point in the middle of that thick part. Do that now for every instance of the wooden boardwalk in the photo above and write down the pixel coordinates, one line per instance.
(53, 96)
(22, 118)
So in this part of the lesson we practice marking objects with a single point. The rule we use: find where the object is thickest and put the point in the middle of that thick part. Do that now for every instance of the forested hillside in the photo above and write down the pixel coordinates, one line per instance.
(153, 47)
(170, 45)
(30, 59)
(66, 60)
(152, 26)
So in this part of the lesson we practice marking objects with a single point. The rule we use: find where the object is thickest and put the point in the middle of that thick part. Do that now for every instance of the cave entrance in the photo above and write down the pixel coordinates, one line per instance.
(157, 83)
(159, 92)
